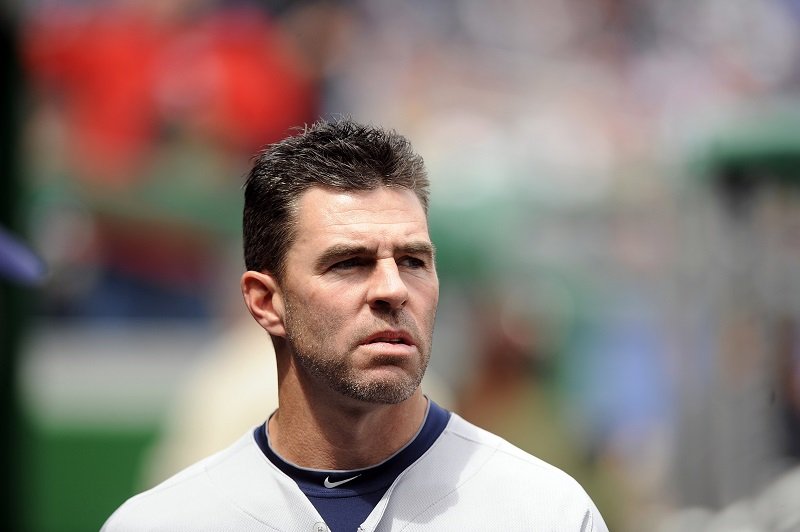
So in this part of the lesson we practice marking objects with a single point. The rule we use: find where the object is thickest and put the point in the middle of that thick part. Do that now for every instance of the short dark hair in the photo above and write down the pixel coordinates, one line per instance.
(340, 154)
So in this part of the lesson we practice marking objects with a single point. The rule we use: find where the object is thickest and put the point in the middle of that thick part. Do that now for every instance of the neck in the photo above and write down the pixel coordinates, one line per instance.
(325, 430)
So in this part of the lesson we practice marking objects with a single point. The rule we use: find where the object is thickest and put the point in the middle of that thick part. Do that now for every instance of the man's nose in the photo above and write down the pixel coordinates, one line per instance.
(387, 289)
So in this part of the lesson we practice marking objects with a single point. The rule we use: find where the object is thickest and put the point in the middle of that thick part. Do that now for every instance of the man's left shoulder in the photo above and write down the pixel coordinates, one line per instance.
(488, 472)
(504, 461)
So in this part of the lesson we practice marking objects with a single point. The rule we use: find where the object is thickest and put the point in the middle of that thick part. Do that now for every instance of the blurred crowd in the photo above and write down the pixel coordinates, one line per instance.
(614, 202)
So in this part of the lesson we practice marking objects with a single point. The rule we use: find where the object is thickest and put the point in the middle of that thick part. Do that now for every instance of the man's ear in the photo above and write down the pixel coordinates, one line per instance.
(264, 300)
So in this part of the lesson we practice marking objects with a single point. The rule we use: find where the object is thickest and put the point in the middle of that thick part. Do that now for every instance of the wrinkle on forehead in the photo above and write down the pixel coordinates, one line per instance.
(361, 212)
(333, 223)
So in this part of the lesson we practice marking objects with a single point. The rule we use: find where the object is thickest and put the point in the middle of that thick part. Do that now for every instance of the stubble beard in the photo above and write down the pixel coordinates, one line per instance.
(308, 338)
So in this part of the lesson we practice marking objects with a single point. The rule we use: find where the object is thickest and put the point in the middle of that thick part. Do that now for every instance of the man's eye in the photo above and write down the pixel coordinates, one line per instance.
(347, 264)
(412, 262)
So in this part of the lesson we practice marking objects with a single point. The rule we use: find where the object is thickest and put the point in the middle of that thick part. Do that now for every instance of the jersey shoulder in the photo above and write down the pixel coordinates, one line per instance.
(506, 459)
(188, 501)
(478, 472)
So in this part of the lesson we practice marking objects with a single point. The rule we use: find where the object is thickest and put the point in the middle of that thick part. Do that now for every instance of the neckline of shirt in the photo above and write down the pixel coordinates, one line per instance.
(365, 480)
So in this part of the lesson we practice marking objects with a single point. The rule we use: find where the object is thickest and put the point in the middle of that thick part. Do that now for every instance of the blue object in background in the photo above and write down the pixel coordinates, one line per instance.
(17, 262)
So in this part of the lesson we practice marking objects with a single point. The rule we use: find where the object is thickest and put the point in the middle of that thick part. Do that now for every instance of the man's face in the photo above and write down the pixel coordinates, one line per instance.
(360, 292)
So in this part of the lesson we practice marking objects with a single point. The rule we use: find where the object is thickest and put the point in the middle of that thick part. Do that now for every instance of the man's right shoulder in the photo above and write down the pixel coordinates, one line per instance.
(190, 500)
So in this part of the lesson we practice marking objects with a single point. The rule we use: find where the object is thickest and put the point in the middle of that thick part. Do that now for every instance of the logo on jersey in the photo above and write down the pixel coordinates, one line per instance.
(328, 484)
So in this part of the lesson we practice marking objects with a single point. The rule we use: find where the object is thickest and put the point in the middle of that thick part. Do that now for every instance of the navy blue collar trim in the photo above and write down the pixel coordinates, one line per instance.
(368, 480)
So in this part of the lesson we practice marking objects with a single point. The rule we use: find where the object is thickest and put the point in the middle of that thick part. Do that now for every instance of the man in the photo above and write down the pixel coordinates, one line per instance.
(341, 274)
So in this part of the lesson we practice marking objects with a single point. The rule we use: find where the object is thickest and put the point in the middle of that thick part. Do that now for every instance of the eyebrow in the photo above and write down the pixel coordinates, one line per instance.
(338, 252)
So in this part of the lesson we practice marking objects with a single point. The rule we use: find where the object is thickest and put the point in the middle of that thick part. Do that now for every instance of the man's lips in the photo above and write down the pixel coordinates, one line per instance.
(390, 337)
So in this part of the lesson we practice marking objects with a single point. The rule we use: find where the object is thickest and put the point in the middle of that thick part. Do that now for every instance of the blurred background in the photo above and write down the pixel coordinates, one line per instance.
(615, 202)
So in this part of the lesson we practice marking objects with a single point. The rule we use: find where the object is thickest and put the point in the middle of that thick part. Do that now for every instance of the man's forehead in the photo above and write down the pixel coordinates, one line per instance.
(382, 205)
(377, 218)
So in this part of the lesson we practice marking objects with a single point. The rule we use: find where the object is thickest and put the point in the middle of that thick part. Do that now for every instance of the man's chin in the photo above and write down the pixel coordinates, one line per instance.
(388, 391)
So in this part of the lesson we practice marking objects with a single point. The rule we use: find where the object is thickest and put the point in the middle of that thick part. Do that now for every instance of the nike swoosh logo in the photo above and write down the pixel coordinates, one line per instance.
(328, 484)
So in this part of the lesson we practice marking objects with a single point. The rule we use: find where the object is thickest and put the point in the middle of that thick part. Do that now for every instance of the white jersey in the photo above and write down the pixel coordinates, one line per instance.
(469, 479)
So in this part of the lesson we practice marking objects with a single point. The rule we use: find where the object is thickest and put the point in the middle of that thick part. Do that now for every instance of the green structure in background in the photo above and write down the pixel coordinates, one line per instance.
(79, 475)
(755, 151)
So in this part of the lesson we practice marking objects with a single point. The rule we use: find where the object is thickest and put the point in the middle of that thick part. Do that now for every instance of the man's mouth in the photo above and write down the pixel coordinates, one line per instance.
(390, 337)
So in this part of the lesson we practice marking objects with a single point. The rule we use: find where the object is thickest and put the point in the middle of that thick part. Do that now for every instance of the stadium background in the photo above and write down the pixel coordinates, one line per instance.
(614, 201)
